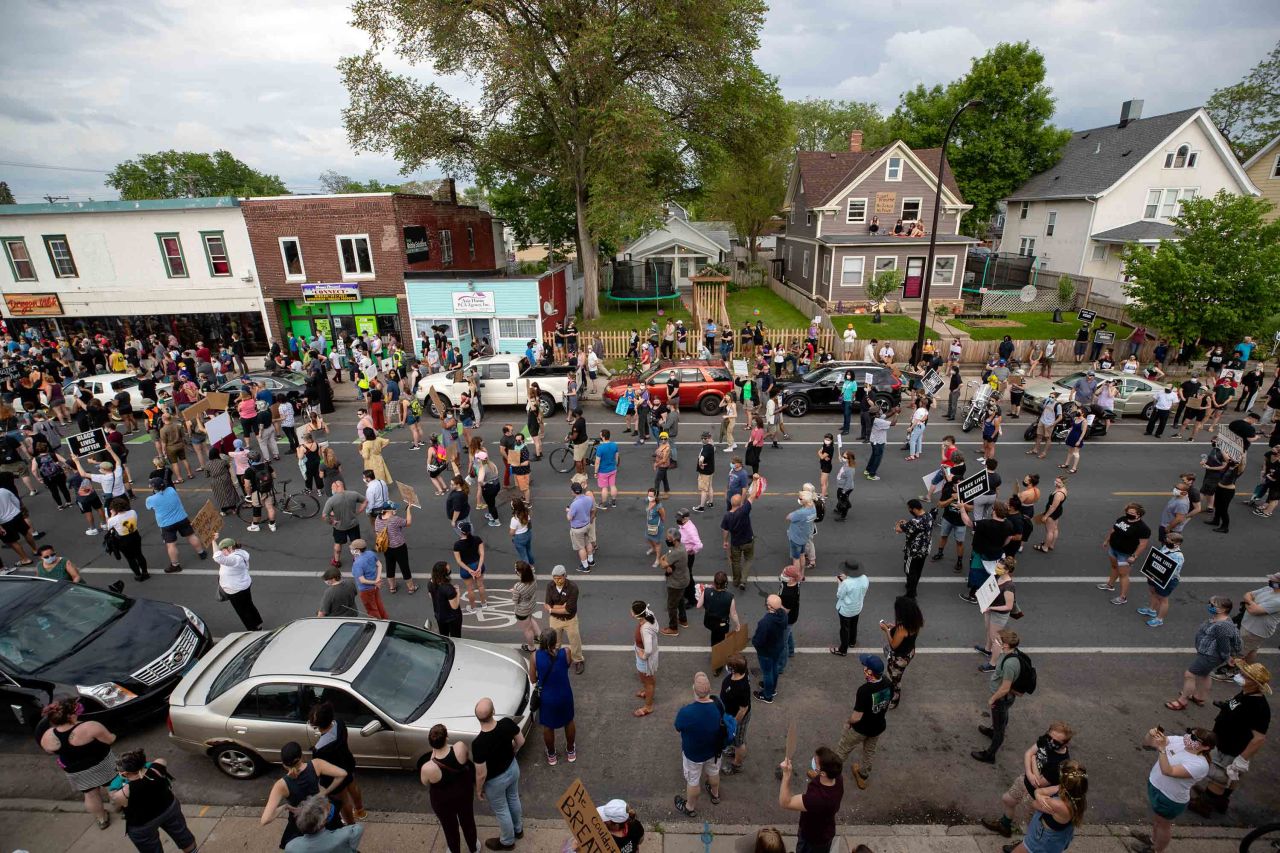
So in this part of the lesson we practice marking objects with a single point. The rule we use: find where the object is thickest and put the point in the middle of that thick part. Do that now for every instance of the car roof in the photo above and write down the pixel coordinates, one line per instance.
(105, 377)
(295, 645)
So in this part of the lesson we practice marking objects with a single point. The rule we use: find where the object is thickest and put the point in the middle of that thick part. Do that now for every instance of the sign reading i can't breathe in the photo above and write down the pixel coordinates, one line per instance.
(87, 443)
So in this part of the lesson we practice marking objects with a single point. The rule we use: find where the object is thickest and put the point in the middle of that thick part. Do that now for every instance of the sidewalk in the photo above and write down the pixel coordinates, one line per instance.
(61, 826)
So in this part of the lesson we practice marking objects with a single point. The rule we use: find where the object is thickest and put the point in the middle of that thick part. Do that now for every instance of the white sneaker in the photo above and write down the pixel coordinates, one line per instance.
(253, 528)
(271, 526)
(469, 610)
(92, 531)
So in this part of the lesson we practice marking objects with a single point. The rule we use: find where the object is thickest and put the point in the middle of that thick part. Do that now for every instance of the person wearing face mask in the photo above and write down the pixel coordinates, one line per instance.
(1182, 761)
(819, 803)
(55, 567)
(1217, 642)
(562, 614)
(1173, 518)
(770, 643)
(1041, 765)
(867, 721)
(1166, 399)
(1159, 595)
(699, 726)
(1125, 542)
(789, 592)
(1241, 729)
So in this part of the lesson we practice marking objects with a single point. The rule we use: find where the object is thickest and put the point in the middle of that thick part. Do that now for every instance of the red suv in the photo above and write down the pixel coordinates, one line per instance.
(703, 384)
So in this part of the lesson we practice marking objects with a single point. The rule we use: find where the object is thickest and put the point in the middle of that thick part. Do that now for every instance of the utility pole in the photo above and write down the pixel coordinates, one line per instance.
(55, 198)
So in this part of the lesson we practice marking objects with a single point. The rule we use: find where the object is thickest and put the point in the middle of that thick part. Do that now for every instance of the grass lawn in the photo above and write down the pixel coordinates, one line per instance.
(1028, 326)
(776, 312)
(892, 327)
(623, 317)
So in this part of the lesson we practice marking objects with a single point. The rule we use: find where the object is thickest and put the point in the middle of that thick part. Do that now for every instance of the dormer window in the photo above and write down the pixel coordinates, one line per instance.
(893, 169)
(1182, 158)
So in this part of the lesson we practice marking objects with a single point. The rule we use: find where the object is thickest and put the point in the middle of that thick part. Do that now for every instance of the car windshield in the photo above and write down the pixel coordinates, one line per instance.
(122, 384)
(406, 672)
(816, 375)
(239, 668)
(50, 629)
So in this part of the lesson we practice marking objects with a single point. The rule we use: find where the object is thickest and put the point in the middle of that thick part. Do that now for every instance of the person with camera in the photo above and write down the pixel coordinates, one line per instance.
(917, 527)
(1182, 761)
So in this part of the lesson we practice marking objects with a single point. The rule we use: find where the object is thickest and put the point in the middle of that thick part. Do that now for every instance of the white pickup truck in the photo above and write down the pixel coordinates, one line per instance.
(504, 381)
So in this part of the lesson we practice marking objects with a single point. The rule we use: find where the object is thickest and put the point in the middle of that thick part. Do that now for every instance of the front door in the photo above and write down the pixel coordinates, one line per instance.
(913, 283)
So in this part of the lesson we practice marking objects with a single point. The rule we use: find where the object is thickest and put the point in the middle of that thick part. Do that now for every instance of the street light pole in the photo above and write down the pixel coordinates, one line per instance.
(933, 231)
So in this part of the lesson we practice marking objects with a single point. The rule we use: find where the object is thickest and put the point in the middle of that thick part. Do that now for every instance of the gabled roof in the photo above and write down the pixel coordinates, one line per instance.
(1141, 231)
(1095, 159)
(825, 172)
(699, 236)
(1262, 152)
(720, 233)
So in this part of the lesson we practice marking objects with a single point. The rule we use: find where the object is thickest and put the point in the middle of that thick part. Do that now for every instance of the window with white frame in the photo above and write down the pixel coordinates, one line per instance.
(354, 254)
(911, 209)
(1099, 251)
(471, 241)
(215, 252)
(791, 216)
(1051, 223)
(1027, 247)
(1024, 210)
(808, 217)
(1275, 167)
(1173, 198)
(851, 270)
(804, 264)
(893, 169)
(291, 257)
(1152, 208)
(446, 246)
(524, 329)
(886, 263)
(857, 211)
(20, 263)
(1182, 158)
(944, 269)
(175, 262)
(64, 265)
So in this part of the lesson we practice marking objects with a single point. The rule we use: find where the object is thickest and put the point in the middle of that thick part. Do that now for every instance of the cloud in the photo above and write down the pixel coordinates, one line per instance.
(918, 56)
(25, 112)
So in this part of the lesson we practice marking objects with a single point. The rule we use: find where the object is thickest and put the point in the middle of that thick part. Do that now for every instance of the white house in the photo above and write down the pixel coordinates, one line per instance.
(182, 266)
(1116, 185)
(688, 245)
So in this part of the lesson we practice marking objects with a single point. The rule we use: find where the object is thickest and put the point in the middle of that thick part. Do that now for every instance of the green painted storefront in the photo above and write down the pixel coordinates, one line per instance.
(371, 315)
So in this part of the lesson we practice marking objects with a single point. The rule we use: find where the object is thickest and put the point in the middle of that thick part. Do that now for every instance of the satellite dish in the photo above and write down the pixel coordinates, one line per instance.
(549, 308)
(1028, 293)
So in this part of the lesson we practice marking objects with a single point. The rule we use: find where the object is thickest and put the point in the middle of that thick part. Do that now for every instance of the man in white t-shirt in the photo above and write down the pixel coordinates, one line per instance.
(1261, 616)
(850, 338)
(886, 354)
(1182, 762)
(869, 350)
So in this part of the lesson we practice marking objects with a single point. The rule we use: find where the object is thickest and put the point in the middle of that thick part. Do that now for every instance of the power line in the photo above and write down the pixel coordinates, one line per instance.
(46, 166)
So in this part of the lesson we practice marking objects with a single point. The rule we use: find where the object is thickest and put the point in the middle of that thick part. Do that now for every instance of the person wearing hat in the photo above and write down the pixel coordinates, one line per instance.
(867, 721)
(851, 593)
(850, 339)
(1261, 616)
(620, 819)
(366, 570)
(1241, 730)
(1050, 417)
(235, 583)
(1085, 389)
(662, 463)
(259, 488)
(562, 613)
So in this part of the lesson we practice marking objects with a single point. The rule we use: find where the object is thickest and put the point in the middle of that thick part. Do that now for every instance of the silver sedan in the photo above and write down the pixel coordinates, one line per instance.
(389, 682)
(1134, 395)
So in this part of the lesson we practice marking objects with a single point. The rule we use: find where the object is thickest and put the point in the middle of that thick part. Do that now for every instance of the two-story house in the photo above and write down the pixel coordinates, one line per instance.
(687, 245)
(1263, 168)
(841, 211)
(1116, 185)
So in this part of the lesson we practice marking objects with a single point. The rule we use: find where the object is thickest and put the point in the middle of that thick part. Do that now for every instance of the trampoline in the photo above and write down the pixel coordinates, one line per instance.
(637, 282)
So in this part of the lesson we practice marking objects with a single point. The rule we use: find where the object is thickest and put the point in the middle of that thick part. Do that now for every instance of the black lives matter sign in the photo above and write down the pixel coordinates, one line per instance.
(87, 443)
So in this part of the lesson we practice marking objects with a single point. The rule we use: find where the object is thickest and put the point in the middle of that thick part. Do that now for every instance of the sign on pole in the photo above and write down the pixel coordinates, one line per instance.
(207, 524)
(1086, 316)
(987, 593)
(728, 647)
(932, 382)
(408, 494)
(971, 487)
(87, 443)
(1159, 567)
(585, 825)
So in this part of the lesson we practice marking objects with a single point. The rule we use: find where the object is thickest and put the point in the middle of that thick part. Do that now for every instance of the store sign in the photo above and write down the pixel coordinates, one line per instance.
(33, 304)
(324, 293)
(417, 245)
(475, 302)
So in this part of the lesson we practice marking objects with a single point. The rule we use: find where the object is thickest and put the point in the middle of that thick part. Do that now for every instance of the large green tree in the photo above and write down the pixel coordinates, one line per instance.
(1218, 281)
(601, 97)
(825, 125)
(1248, 113)
(179, 174)
(536, 208)
(6, 194)
(997, 147)
(336, 182)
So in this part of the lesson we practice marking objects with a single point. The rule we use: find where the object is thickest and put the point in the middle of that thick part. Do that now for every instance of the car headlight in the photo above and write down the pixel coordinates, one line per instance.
(108, 694)
(195, 621)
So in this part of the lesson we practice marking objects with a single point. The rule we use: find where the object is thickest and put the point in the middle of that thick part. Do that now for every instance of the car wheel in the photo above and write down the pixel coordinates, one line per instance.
(709, 405)
(237, 762)
(1147, 410)
(547, 404)
(798, 406)
(884, 401)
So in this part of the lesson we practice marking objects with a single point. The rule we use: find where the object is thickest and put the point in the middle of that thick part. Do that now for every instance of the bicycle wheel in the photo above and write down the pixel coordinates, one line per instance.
(1264, 838)
(561, 460)
(301, 506)
(244, 511)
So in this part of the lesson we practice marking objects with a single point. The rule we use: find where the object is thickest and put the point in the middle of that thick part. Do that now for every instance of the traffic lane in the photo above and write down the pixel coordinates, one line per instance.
(922, 770)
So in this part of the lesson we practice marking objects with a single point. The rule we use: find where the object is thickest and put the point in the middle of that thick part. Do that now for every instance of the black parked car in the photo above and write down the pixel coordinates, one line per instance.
(278, 382)
(122, 656)
(819, 389)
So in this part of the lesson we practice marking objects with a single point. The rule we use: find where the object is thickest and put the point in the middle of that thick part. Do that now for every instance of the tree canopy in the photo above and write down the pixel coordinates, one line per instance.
(6, 194)
(181, 174)
(1248, 113)
(825, 125)
(335, 182)
(1218, 281)
(997, 147)
(614, 102)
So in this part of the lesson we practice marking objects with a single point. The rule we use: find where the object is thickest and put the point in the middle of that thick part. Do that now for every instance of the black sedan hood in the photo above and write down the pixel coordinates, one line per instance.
(140, 635)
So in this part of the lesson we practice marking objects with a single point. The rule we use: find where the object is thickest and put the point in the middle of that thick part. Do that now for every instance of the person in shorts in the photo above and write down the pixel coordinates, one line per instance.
(735, 695)
(1168, 794)
(88, 502)
(607, 470)
(699, 726)
(13, 527)
(171, 518)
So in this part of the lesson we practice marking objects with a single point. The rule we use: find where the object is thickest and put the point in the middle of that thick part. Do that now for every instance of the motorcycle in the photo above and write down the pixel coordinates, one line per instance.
(1102, 419)
(977, 406)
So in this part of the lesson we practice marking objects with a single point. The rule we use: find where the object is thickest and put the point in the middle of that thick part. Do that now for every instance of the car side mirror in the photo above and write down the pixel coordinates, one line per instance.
(371, 728)
(650, 382)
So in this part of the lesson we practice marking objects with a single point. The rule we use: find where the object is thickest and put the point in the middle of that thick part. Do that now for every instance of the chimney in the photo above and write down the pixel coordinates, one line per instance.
(447, 192)
(1130, 110)
(855, 141)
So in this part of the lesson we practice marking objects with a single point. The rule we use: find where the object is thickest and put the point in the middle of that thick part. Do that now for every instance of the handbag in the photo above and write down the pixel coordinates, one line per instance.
(382, 541)
(621, 408)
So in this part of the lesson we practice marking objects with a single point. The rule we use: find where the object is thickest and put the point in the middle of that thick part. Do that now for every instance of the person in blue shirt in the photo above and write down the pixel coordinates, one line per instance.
(848, 390)
(799, 530)
(699, 726)
(366, 570)
(531, 353)
(770, 641)
(607, 470)
(739, 479)
(1244, 350)
(171, 518)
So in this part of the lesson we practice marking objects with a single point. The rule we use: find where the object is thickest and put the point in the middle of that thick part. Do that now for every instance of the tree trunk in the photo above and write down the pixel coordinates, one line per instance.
(588, 257)
(752, 247)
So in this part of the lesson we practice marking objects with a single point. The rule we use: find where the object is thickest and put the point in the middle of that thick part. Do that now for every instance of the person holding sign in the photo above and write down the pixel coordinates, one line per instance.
(998, 612)
(1159, 585)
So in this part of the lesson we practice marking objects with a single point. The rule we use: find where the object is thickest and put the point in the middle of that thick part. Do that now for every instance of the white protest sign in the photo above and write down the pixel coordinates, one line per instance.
(987, 593)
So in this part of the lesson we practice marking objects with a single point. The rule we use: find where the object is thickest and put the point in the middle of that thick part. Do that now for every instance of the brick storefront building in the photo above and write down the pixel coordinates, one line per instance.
(338, 263)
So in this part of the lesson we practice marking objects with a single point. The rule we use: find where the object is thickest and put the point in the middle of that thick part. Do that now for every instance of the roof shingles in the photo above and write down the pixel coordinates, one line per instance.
(825, 172)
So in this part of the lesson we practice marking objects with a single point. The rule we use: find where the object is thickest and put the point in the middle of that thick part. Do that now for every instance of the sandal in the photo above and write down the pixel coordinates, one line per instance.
(1041, 549)
(393, 589)
(1199, 702)
(1063, 467)
(412, 588)
(1176, 705)
(25, 563)
(682, 806)
(642, 712)
(104, 821)
(715, 801)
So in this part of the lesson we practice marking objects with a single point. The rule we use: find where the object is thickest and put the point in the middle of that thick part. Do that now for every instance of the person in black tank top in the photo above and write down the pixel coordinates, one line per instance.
(1051, 515)
(83, 752)
(301, 780)
(450, 777)
(720, 612)
(900, 642)
(332, 747)
(146, 795)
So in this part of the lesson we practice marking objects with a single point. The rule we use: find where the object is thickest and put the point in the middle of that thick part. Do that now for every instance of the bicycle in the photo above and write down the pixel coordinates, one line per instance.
(293, 504)
(1268, 834)
(561, 459)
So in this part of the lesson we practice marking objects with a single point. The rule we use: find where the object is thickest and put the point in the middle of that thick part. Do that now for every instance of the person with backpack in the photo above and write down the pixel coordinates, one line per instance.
(259, 489)
(48, 465)
(1014, 676)
(144, 792)
(704, 734)
(867, 721)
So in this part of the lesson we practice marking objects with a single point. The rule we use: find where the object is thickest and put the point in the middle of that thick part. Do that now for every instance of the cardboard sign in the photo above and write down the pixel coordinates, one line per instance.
(218, 399)
(195, 410)
(886, 203)
(438, 402)
(728, 647)
(739, 367)
(932, 382)
(1231, 445)
(1086, 316)
(408, 494)
(987, 593)
(207, 524)
(1102, 337)
(218, 428)
(579, 812)
(972, 486)
(87, 443)
(1159, 567)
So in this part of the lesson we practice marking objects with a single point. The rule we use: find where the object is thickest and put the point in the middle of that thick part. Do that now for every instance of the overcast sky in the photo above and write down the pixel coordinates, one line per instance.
(89, 83)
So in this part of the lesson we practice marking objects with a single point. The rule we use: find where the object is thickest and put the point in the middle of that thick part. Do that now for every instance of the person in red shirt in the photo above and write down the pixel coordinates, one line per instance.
(202, 352)
(819, 803)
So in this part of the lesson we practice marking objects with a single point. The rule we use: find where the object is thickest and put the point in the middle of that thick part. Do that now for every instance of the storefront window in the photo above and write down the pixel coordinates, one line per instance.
(517, 328)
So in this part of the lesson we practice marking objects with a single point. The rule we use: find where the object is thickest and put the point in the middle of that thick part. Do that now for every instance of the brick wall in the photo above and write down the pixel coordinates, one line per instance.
(436, 216)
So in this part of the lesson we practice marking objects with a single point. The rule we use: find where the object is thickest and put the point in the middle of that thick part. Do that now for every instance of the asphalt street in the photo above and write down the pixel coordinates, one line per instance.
(1101, 668)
